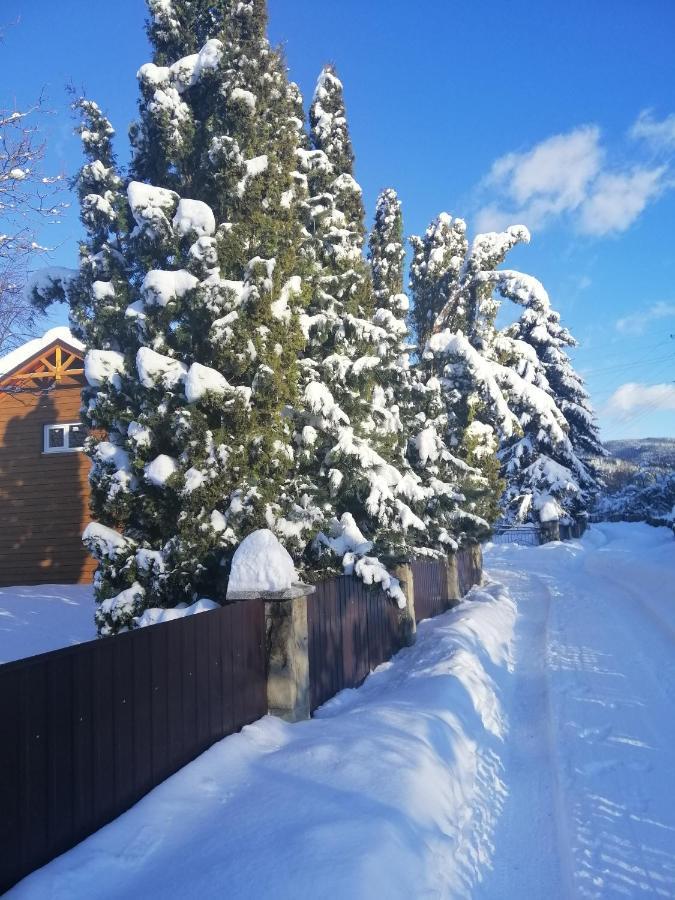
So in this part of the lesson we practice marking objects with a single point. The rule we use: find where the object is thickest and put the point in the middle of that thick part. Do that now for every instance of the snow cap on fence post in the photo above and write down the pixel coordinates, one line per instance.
(263, 569)
(404, 574)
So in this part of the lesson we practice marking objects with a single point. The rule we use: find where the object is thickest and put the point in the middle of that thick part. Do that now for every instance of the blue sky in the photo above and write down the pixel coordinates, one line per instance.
(560, 116)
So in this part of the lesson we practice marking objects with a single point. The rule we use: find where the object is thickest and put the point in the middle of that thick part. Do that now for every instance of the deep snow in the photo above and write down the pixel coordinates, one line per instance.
(509, 753)
(47, 617)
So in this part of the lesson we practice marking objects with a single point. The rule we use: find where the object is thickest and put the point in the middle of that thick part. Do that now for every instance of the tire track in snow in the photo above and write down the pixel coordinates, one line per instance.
(614, 738)
(529, 857)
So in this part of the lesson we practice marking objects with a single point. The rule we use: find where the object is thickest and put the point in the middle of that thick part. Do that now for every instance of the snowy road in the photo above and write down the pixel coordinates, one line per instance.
(590, 764)
(523, 747)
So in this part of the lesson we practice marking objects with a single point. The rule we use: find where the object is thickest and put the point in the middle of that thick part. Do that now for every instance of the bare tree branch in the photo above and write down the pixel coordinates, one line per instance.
(29, 199)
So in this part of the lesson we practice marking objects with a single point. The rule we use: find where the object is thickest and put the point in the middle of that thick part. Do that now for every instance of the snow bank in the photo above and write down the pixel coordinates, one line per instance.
(45, 617)
(260, 563)
(391, 791)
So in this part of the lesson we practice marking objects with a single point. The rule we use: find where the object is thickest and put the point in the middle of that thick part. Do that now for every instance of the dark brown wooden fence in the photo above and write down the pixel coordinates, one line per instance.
(431, 589)
(352, 629)
(88, 730)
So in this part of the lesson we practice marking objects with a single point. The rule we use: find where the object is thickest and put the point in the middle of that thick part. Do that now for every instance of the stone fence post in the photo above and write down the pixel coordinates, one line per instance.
(453, 592)
(286, 649)
(404, 573)
(288, 688)
(550, 531)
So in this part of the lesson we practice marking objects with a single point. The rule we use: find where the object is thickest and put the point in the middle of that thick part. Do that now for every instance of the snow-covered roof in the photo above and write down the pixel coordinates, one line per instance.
(26, 351)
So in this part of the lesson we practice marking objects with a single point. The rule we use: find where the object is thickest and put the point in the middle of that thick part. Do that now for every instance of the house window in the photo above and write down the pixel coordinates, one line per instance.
(67, 438)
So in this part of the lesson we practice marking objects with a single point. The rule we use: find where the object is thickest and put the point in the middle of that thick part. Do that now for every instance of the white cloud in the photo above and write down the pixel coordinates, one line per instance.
(661, 135)
(616, 200)
(638, 322)
(551, 178)
(634, 396)
(568, 175)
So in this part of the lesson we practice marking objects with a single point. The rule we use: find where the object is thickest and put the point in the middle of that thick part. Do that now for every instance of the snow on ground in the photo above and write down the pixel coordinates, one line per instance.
(392, 791)
(590, 766)
(522, 748)
(46, 617)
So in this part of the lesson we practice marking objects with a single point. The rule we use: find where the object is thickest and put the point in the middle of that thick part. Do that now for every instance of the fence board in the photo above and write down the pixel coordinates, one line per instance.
(88, 730)
(11, 760)
(142, 711)
(159, 665)
(174, 683)
(189, 687)
(83, 744)
(123, 727)
(60, 728)
(35, 750)
(351, 630)
(431, 586)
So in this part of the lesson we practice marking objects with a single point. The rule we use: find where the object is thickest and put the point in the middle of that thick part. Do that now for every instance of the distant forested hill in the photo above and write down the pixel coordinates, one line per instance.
(639, 478)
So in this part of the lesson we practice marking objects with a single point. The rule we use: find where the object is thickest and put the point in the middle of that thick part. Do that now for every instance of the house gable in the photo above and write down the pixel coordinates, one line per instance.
(57, 364)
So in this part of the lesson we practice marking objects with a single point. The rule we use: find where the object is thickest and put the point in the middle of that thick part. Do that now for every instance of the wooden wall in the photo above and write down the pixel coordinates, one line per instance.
(44, 498)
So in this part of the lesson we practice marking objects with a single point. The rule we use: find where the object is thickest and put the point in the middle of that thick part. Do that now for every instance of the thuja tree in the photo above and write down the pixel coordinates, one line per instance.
(349, 433)
(433, 471)
(454, 312)
(194, 399)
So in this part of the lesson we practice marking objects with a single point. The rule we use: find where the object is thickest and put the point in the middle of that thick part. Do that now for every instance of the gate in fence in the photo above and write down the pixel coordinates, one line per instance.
(530, 535)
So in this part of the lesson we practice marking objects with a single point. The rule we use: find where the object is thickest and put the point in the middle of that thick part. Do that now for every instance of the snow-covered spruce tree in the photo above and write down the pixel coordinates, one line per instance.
(544, 331)
(539, 328)
(194, 402)
(544, 477)
(496, 390)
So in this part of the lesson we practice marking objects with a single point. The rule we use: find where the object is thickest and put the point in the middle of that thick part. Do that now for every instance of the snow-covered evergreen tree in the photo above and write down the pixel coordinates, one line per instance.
(350, 439)
(539, 328)
(455, 311)
(416, 397)
(193, 384)
(434, 272)
(387, 259)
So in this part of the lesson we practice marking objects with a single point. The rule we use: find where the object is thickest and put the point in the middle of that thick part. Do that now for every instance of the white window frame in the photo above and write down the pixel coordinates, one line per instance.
(66, 428)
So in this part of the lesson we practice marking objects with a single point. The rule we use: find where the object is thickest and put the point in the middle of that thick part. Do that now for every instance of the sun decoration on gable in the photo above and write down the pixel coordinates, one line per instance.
(57, 365)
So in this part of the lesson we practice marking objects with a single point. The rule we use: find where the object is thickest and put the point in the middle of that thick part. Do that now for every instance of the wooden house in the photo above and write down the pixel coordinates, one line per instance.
(44, 487)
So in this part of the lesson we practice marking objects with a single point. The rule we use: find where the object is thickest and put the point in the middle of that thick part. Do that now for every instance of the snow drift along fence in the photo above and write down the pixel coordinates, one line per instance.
(88, 730)
(352, 629)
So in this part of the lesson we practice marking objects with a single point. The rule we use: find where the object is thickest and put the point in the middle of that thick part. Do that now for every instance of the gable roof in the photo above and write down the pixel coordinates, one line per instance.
(15, 358)
(43, 358)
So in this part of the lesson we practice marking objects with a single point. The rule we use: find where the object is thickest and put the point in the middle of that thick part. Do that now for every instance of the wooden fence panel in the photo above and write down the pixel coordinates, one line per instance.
(88, 730)
(351, 630)
(431, 588)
